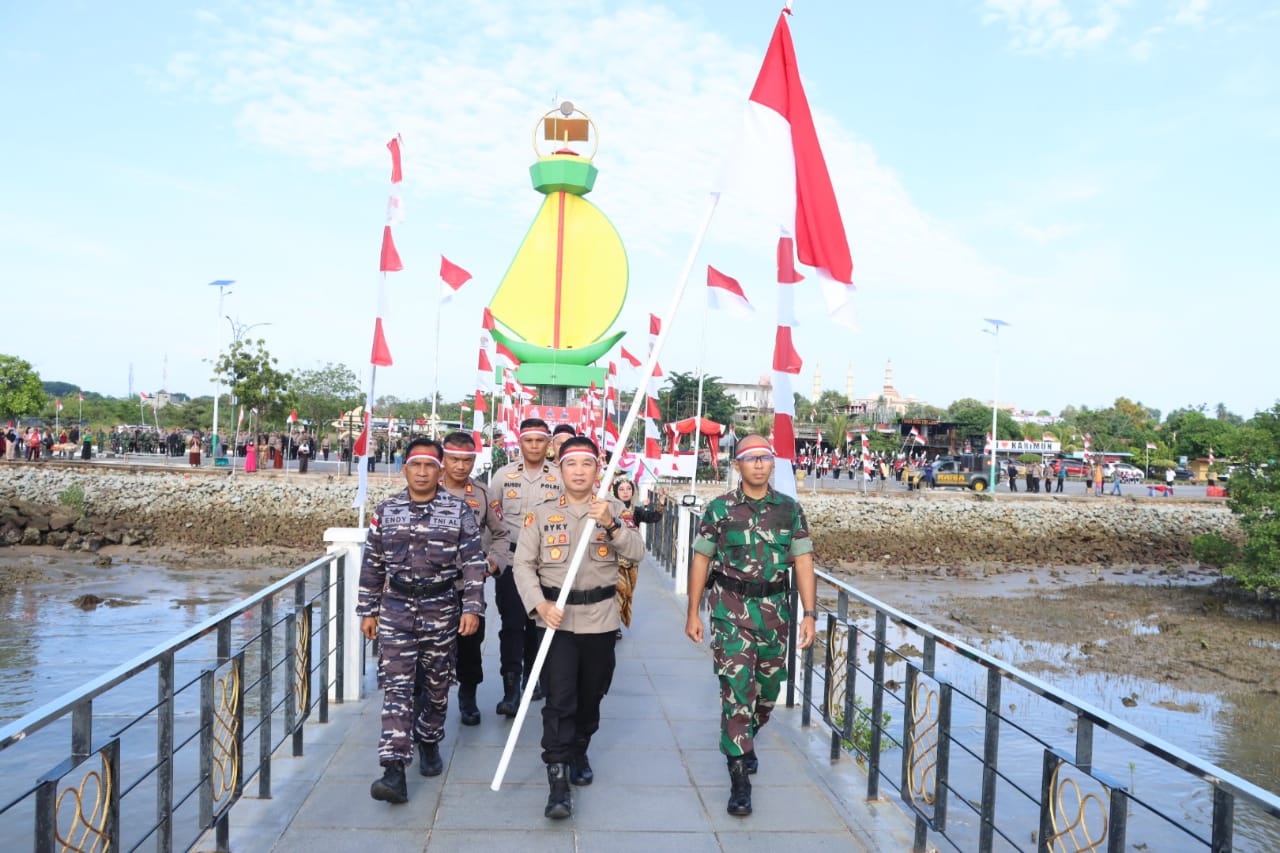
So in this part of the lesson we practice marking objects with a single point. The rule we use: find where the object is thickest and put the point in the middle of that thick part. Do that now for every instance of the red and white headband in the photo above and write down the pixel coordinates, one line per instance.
(578, 450)
(754, 450)
(424, 451)
(535, 430)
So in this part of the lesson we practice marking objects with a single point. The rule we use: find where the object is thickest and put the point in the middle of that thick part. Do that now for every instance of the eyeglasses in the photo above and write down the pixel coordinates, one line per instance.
(761, 459)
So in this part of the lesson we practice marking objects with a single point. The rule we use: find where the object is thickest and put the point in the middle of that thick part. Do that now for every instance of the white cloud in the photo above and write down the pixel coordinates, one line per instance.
(1049, 26)
(1192, 14)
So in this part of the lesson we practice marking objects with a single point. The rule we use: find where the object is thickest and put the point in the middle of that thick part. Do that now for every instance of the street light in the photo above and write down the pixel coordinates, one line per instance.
(994, 332)
(222, 284)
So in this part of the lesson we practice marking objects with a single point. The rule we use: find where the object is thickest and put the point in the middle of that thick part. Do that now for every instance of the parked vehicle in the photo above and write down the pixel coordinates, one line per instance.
(1075, 467)
(1128, 473)
(951, 473)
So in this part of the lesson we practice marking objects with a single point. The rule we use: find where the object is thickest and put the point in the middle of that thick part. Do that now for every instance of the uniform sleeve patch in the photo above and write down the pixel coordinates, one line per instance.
(528, 519)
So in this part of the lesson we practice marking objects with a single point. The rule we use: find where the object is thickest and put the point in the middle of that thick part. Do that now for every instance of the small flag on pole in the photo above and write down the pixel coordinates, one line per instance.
(1048, 436)
(1151, 445)
(293, 417)
(453, 277)
(725, 294)
(58, 402)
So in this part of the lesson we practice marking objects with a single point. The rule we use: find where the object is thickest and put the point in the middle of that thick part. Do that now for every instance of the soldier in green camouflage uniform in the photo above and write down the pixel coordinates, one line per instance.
(753, 536)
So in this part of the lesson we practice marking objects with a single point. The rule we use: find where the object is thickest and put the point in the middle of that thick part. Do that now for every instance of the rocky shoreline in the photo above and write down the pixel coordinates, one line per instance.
(208, 508)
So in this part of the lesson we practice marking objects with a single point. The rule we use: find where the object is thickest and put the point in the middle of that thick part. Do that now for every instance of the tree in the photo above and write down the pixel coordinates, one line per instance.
(255, 382)
(20, 389)
(974, 419)
(679, 399)
(837, 426)
(324, 393)
(1255, 501)
(924, 411)
(830, 401)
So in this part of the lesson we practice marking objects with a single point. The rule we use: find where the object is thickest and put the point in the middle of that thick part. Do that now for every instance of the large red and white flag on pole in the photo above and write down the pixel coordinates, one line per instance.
(788, 173)
(725, 294)
(293, 417)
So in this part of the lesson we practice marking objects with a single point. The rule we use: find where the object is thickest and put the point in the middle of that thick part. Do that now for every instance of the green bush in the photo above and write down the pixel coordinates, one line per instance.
(1255, 501)
(859, 743)
(73, 497)
(1214, 549)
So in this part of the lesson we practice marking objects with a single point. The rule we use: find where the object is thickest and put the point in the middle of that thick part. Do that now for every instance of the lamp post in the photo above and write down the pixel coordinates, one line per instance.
(222, 284)
(238, 332)
(994, 331)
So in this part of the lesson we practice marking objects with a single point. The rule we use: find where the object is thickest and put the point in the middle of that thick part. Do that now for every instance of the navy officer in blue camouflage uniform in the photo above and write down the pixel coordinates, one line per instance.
(420, 543)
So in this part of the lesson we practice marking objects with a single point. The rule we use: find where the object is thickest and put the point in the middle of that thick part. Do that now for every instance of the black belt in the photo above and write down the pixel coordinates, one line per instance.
(422, 590)
(581, 596)
(749, 589)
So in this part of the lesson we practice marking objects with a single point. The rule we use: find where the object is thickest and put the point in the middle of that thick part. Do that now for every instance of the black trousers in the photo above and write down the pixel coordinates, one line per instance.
(470, 668)
(575, 676)
(518, 636)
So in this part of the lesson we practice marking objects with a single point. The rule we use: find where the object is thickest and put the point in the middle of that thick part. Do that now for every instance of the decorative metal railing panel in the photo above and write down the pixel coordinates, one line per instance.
(155, 753)
(988, 757)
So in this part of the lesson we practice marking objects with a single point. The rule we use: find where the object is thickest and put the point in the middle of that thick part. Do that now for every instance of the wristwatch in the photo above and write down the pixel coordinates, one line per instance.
(613, 528)
(811, 614)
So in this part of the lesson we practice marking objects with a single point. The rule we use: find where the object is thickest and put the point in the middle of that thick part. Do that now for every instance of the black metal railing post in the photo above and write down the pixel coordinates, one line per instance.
(340, 645)
(164, 752)
(266, 695)
(990, 762)
(325, 652)
(877, 706)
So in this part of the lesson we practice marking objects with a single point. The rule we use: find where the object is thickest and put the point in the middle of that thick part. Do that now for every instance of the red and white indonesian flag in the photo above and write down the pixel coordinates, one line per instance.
(58, 403)
(915, 434)
(453, 277)
(788, 175)
(1211, 454)
(1048, 436)
(293, 417)
(725, 294)
(986, 448)
(1151, 445)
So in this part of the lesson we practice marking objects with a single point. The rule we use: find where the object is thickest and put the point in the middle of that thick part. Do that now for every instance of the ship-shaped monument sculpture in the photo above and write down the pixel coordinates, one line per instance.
(568, 280)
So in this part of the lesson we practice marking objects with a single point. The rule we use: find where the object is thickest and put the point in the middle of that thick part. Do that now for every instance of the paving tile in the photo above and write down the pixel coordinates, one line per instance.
(777, 808)
(791, 842)
(515, 807)
(469, 841)
(352, 841)
(636, 808)
(648, 842)
(343, 804)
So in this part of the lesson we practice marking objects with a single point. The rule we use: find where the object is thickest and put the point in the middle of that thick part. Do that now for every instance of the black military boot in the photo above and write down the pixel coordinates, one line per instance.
(391, 788)
(753, 763)
(739, 787)
(429, 761)
(559, 801)
(467, 705)
(510, 702)
(580, 772)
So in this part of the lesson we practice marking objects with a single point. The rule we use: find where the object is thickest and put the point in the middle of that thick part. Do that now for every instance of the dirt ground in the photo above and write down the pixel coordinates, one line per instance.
(1167, 625)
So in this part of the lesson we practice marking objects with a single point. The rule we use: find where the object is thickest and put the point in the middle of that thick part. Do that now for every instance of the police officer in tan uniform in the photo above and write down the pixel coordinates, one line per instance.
(580, 661)
(521, 486)
(459, 461)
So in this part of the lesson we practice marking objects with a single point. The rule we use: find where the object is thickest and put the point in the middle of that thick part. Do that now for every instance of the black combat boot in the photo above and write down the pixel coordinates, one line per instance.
(510, 702)
(740, 787)
(391, 788)
(753, 763)
(580, 772)
(559, 801)
(467, 705)
(429, 761)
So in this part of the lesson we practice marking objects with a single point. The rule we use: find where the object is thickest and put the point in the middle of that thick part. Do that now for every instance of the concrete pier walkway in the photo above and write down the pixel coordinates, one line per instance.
(660, 781)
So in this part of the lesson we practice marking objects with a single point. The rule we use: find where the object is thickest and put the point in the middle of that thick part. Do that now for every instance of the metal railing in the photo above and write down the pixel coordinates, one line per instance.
(986, 757)
(155, 752)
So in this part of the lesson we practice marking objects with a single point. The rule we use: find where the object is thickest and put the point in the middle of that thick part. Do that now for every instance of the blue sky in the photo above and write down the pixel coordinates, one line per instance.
(1101, 175)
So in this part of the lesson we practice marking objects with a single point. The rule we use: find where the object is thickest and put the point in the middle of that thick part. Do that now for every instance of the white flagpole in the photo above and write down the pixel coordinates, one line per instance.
(697, 423)
(435, 382)
(580, 549)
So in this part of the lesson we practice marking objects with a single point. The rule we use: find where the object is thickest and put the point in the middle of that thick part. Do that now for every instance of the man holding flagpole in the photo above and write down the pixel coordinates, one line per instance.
(747, 545)
(580, 661)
